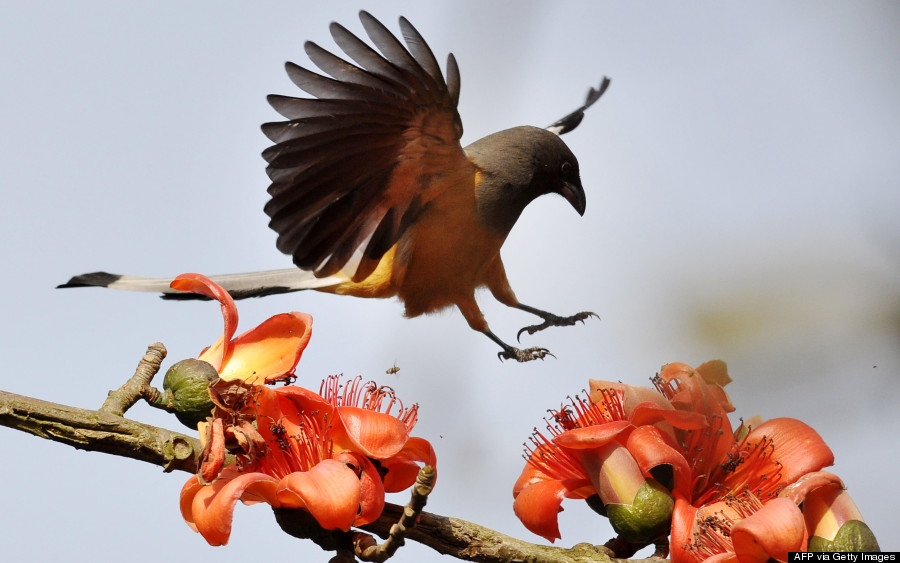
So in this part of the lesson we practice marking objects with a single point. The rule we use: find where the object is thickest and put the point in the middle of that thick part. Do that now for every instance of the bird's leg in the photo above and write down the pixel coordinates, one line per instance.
(550, 319)
(513, 353)
(470, 310)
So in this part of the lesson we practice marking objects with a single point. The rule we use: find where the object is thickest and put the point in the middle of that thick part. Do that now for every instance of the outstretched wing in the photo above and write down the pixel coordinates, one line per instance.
(353, 167)
(572, 120)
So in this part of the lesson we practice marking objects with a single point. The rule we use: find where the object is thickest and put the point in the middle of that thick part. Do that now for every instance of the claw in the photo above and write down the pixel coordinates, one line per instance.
(553, 320)
(526, 355)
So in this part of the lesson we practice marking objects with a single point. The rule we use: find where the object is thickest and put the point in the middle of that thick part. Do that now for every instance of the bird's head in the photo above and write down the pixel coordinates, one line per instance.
(518, 165)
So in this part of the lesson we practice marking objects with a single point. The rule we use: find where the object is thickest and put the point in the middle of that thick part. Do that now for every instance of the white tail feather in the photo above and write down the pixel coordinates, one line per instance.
(245, 285)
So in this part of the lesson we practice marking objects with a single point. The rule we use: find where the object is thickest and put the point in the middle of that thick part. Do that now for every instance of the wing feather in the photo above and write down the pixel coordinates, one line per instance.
(352, 167)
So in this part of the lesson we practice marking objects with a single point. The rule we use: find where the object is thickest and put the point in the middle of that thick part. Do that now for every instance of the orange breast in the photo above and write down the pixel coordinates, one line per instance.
(441, 257)
(445, 254)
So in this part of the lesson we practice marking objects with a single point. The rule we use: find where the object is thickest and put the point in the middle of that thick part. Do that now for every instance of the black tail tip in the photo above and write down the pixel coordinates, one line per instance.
(93, 279)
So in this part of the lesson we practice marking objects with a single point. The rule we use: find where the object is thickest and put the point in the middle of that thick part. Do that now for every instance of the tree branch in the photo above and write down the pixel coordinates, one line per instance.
(100, 431)
(472, 542)
(126, 396)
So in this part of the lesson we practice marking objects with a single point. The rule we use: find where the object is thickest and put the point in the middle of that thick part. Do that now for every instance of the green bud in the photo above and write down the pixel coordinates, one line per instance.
(187, 390)
(854, 536)
(647, 518)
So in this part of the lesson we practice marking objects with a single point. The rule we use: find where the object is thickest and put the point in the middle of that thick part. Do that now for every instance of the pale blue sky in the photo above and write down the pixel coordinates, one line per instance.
(742, 182)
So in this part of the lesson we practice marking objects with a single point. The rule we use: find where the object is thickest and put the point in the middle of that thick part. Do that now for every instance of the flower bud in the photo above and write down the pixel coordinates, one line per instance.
(187, 390)
(647, 518)
(835, 523)
(853, 536)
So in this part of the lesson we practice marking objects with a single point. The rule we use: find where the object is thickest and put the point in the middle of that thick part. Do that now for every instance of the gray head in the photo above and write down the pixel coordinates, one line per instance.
(518, 165)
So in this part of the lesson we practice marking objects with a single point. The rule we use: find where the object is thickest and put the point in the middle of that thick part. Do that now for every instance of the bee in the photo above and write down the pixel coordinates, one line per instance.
(393, 369)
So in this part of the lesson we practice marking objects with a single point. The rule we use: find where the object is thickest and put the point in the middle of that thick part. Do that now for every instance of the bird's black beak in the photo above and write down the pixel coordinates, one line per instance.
(574, 194)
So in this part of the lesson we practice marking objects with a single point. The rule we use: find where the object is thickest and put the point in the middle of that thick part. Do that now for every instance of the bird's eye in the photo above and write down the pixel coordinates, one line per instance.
(566, 168)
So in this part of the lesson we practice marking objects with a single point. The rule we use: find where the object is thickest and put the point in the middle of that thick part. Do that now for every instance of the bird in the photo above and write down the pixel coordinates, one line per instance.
(373, 195)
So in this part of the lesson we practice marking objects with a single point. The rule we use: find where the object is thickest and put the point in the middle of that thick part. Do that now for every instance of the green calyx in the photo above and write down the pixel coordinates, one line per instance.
(854, 536)
(187, 391)
(647, 518)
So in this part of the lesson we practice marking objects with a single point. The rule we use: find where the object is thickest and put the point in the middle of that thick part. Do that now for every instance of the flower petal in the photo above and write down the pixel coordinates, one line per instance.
(683, 517)
(776, 529)
(631, 395)
(799, 490)
(798, 447)
(649, 413)
(651, 448)
(613, 472)
(186, 500)
(371, 493)
(211, 463)
(200, 284)
(591, 436)
(371, 433)
(209, 509)
(538, 505)
(329, 491)
(826, 505)
(268, 351)
(714, 371)
(403, 468)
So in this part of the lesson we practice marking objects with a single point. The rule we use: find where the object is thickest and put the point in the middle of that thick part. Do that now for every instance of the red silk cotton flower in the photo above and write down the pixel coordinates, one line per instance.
(742, 499)
(333, 455)
(748, 495)
(596, 451)
(264, 354)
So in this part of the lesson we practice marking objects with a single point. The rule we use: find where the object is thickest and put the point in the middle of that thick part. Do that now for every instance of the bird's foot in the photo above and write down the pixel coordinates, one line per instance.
(526, 355)
(552, 320)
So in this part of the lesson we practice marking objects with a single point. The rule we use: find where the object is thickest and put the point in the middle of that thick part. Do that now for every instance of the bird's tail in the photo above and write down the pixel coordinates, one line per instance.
(240, 286)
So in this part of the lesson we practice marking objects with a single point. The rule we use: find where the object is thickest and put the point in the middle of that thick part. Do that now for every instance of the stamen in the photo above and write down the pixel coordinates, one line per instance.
(550, 459)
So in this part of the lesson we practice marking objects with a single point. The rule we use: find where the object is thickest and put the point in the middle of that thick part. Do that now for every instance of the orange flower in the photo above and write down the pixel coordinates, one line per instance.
(589, 454)
(264, 354)
(732, 506)
(333, 455)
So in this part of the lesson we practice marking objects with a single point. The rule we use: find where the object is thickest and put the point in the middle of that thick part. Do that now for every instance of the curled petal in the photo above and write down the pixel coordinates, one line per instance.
(370, 433)
(268, 351)
(798, 447)
(826, 505)
(200, 284)
(186, 500)
(303, 399)
(776, 529)
(683, 517)
(714, 371)
(371, 493)
(632, 395)
(538, 505)
(696, 391)
(652, 448)
(799, 490)
(648, 413)
(214, 458)
(613, 472)
(403, 468)
(329, 491)
(209, 509)
(591, 436)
